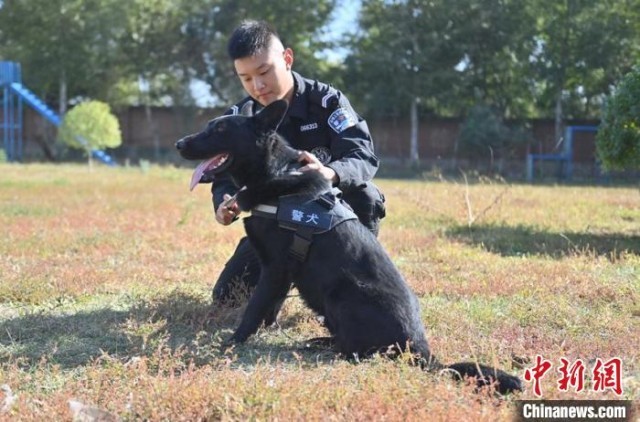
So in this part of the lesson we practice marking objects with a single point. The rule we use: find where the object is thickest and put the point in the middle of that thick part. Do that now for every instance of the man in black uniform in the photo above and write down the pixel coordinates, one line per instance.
(332, 137)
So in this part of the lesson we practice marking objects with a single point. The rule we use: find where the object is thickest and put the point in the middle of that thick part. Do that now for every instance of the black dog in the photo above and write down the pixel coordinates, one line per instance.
(343, 273)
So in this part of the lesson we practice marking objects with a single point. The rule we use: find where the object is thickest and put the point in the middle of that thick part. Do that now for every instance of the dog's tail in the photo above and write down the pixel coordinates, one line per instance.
(484, 375)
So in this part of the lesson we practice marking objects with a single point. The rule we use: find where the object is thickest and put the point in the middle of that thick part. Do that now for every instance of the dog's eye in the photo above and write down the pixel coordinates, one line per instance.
(220, 126)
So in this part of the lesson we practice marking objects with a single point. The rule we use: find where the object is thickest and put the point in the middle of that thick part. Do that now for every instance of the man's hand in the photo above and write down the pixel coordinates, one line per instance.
(313, 164)
(228, 210)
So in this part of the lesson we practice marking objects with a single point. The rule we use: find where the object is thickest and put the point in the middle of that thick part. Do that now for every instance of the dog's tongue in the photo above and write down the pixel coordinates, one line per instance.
(199, 171)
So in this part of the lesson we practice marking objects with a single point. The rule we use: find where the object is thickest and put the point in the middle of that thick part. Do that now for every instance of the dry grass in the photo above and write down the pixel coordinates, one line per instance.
(105, 282)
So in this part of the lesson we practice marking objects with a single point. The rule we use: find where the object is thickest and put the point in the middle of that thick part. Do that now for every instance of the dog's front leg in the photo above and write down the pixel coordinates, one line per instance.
(265, 297)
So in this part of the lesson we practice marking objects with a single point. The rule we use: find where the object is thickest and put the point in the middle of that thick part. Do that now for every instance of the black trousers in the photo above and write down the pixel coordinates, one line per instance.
(242, 272)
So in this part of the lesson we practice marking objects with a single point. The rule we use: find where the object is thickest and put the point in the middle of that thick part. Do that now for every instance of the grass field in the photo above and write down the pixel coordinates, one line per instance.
(106, 276)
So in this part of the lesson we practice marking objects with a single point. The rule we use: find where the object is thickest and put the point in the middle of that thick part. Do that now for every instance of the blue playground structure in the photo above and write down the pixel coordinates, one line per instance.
(14, 94)
(564, 158)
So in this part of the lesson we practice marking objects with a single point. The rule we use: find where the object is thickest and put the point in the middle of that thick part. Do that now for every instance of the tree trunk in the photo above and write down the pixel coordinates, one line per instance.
(62, 106)
(414, 157)
(153, 132)
(145, 98)
(558, 117)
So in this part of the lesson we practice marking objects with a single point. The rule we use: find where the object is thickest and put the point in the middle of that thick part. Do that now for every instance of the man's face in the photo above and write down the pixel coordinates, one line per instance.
(266, 76)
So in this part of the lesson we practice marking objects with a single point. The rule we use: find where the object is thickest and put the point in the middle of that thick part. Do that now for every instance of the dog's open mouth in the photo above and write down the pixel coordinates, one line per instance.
(208, 168)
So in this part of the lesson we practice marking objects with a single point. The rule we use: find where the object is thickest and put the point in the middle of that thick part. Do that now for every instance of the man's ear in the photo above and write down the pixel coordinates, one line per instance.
(269, 118)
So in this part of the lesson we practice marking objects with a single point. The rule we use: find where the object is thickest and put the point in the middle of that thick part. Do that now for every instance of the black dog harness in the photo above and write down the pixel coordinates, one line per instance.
(306, 217)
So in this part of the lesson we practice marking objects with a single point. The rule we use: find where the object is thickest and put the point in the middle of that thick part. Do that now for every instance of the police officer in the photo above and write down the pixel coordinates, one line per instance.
(333, 139)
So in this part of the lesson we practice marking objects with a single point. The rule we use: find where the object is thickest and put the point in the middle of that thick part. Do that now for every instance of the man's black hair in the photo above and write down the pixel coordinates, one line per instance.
(249, 38)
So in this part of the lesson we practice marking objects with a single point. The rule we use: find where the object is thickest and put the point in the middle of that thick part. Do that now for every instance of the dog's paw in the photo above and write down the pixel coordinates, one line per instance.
(320, 343)
(235, 339)
(508, 383)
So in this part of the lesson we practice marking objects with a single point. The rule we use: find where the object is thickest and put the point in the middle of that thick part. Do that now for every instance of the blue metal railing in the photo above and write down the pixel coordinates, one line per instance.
(11, 124)
(564, 158)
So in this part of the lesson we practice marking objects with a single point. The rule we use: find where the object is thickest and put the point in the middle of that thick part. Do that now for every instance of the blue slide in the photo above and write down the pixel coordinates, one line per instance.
(51, 116)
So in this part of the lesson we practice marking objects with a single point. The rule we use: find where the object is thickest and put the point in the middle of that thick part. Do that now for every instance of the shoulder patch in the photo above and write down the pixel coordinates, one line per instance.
(323, 95)
(330, 96)
(342, 119)
(244, 107)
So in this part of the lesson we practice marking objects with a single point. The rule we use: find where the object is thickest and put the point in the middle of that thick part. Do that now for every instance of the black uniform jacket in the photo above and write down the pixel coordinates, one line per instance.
(321, 120)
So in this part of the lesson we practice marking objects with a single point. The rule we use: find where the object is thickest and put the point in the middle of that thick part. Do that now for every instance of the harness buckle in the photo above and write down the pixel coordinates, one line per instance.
(327, 200)
(302, 238)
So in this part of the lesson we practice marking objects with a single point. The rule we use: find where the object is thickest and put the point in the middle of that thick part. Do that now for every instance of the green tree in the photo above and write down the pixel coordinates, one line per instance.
(154, 46)
(404, 58)
(582, 48)
(90, 125)
(65, 47)
(618, 137)
(442, 57)
(497, 38)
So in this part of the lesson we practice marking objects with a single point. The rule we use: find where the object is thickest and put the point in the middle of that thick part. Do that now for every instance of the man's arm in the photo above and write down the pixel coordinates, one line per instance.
(223, 193)
(223, 187)
(351, 146)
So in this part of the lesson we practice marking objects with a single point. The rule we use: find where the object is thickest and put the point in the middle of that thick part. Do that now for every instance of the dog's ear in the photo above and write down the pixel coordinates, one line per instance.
(247, 109)
(270, 117)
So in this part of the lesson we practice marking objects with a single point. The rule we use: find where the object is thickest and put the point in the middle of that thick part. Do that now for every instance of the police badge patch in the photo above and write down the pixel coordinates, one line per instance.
(342, 119)
(323, 154)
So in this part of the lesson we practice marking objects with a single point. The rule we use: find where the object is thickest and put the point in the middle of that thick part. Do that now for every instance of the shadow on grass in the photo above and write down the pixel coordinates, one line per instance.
(176, 322)
(528, 240)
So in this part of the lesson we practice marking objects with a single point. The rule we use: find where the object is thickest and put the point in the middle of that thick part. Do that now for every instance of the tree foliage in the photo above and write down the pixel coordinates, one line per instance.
(496, 39)
(582, 48)
(109, 49)
(485, 132)
(404, 50)
(63, 45)
(90, 125)
(618, 138)
(524, 58)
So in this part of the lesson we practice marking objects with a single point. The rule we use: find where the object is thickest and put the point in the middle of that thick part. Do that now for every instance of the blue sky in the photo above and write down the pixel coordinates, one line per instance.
(343, 21)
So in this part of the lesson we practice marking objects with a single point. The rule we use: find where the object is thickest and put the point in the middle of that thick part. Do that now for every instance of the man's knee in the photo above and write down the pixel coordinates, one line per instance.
(368, 204)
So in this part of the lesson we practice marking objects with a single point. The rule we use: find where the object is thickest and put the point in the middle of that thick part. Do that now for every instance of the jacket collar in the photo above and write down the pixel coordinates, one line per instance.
(299, 103)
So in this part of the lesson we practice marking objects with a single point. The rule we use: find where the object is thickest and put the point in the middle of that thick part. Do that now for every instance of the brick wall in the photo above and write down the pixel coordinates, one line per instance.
(437, 136)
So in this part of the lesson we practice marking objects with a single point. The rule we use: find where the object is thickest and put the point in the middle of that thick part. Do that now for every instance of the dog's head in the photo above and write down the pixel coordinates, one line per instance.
(235, 144)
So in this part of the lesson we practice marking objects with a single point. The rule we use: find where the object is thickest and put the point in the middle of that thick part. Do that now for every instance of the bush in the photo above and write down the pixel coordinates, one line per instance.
(485, 132)
(90, 125)
(618, 138)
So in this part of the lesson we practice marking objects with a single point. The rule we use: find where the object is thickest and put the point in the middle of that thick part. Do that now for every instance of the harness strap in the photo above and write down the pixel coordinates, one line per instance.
(302, 239)
(305, 219)
(327, 200)
(264, 210)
